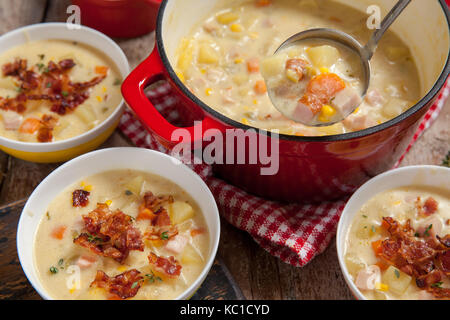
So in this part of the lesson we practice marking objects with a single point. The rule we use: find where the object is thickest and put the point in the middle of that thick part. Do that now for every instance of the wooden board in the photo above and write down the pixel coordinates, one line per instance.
(259, 275)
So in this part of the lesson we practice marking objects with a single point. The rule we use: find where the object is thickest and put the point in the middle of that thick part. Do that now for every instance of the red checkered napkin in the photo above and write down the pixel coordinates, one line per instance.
(294, 233)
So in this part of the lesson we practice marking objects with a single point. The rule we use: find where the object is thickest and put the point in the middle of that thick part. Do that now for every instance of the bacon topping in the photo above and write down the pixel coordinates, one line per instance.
(168, 266)
(110, 234)
(80, 198)
(52, 84)
(125, 285)
(427, 260)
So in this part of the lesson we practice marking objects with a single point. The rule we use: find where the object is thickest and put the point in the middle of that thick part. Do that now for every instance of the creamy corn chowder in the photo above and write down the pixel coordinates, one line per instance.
(220, 62)
(121, 235)
(53, 90)
(314, 82)
(398, 246)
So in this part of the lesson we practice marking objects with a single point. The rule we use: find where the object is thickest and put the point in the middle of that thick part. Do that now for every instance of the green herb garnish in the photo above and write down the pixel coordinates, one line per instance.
(427, 233)
(64, 93)
(48, 215)
(48, 85)
(134, 285)
(446, 161)
(41, 56)
(374, 229)
(19, 89)
(152, 278)
(417, 235)
(60, 262)
(397, 273)
(53, 270)
(437, 284)
(165, 236)
(40, 66)
(117, 82)
(92, 238)
(128, 192)
(364, 216)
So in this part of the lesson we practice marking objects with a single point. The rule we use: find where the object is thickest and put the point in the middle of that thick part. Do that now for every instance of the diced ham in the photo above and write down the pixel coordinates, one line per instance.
(368, 278)
(177, 244)
(347, 100)
(85, 262)
(12, 120)
(303, 113)
(424, 228)
(374, 98)
(424, 295)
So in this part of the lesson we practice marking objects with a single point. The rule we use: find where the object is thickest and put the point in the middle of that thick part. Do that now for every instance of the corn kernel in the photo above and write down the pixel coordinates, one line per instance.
(292, 75)
(324, 70)
(235, 27)
(180, 76)
(227, 17)
(326, 113)
(88, 188)
(255, 101)
(208, 91)
(72, 290)
(312, 71)
(99, 99)
(202, 71)
(122, 268)
(104, 89)
(245, 121)
(356, 110)
(381, 286)
(108, 202)
(254, 35)
(238, 60)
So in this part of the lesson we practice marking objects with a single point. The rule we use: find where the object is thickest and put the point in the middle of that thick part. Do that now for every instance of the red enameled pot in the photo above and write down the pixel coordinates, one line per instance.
(310, 168)
(119, 18)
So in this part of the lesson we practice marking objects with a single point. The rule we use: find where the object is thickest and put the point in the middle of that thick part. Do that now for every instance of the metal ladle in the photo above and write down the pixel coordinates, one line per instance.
(365, 53)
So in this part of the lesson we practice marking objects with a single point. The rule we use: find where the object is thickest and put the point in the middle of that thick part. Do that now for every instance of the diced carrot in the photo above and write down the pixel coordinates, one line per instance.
(58, 232)
(325, 86)
(263, 3)
(196, 232)
(85, 261)
(103, 70)
(382, 265)
(30, 125)
(385, 225)
(312, 102)
(157, 243)
(113, 297)
(253, 65)
(146, 214)
(377, 247)
(260, 87)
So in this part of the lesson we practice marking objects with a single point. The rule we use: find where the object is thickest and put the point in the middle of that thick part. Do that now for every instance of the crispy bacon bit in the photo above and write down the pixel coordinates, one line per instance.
(125, 285)
(427, 260)
(153, 202)
(298, 66)
(80, 198)
(168, 266)
(52, 84)
(110, 234)
(429, 207)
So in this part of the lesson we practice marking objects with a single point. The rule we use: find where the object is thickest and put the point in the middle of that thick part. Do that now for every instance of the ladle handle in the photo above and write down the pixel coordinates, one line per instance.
(371, 46)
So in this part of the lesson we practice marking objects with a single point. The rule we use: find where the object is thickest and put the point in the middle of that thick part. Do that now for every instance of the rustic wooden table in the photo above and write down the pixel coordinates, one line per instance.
(259, 275)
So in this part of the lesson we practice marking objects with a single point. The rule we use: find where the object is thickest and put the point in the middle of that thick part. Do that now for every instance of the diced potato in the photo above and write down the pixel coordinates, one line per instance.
(394, 107)
(190, 255)
(397, 280)
(181, 211)
(273, 66)
(336, 128)
(354, 264)
(395, 53)
(135, 185)
(60, 127)
(227, 17)
(207, 54)
(186, 53)
(323, 56)
(240, 78)
(8, 84)
(86, 114)
(379, 295)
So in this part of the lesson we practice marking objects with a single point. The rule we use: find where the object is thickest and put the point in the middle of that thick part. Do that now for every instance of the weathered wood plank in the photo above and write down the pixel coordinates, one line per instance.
(17, 13)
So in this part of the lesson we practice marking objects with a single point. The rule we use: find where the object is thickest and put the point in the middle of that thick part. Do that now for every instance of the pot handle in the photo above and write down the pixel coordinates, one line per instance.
(148, 72)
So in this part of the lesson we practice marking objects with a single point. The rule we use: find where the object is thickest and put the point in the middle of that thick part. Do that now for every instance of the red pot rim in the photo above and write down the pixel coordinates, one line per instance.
(113, 3)
(339, 137)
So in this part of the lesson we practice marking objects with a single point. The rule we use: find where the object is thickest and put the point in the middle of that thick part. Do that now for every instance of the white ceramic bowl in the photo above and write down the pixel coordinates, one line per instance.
(112, 159)
(414, 175)
(66, 149)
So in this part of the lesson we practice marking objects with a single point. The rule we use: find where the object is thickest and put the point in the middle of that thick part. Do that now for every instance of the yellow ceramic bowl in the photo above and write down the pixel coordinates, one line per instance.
(66, 149)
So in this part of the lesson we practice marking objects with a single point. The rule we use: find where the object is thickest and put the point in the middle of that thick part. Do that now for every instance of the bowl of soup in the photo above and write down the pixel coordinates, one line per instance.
(393, 238)
(59, 91)
(213, 58)
(120, 223)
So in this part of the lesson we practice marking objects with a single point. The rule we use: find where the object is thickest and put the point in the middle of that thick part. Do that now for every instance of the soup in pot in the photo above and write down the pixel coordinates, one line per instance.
(121, 235)
(398, 245)
(221, 63)
(52, 90)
